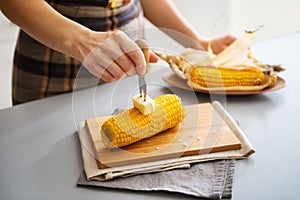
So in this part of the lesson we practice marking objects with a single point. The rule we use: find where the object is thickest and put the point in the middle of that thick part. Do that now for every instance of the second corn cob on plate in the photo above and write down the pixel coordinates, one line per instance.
(233, 70)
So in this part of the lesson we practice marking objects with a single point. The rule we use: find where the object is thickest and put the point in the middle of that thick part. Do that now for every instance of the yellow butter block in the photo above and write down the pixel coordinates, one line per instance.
(145, 107)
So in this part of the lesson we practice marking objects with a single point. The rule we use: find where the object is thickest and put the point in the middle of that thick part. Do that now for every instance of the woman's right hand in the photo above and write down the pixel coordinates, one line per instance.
(112, 55)
(107, 55)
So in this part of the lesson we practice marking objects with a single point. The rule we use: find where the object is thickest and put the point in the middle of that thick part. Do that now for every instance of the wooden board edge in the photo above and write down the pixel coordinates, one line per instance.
(174, 155)
(92, 144)
(231, 123)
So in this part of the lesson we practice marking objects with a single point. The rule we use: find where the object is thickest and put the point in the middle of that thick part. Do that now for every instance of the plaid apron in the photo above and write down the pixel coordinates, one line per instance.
(40, 72)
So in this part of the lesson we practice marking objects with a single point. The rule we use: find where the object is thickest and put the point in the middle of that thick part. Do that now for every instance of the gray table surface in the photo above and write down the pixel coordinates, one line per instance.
(40, 153)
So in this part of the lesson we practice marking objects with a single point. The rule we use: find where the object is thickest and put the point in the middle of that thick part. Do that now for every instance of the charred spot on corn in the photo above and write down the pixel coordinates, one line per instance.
(131, 125)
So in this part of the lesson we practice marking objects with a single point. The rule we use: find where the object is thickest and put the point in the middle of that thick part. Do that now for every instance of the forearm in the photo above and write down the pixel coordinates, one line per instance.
(106, 59)
(172, 20)
(46, 25)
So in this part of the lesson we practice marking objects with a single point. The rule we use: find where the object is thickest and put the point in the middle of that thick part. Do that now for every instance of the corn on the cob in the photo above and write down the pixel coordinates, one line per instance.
(229, 78)
(131, 125)
(234, 69)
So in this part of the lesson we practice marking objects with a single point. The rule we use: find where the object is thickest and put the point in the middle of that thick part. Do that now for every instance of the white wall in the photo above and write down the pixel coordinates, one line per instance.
(8, 34)
(205, 14)
(279, 17)
(208, 17)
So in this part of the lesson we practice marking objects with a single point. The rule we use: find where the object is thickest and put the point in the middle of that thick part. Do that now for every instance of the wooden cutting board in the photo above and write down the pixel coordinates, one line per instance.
(202, 131)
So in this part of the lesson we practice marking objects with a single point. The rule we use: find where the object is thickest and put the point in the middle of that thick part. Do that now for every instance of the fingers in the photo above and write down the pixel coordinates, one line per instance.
(115, 61)
(153, 58)
(228, 39)
(138, 59)
(126, 64)
(134, 52)
(99, 72)
(125, 53)
(219, 44)
(117, 57)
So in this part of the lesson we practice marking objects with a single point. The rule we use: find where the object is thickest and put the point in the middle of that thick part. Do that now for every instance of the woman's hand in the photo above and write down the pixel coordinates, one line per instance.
(107, 55)
(112, 55)
(219, 44)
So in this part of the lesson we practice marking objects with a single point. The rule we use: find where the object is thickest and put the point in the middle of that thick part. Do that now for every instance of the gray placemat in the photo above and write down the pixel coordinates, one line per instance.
(211, 180)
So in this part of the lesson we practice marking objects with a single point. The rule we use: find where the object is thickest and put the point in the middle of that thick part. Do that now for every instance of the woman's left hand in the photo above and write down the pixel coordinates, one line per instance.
(219, 44)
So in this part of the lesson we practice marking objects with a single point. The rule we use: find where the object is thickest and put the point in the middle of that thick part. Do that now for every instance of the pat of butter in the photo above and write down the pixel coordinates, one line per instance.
(145, 107)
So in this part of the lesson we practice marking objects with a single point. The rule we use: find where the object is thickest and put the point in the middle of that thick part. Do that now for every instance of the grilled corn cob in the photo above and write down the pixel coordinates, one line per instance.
(131, 125)
(234, 69)
(246, 78)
